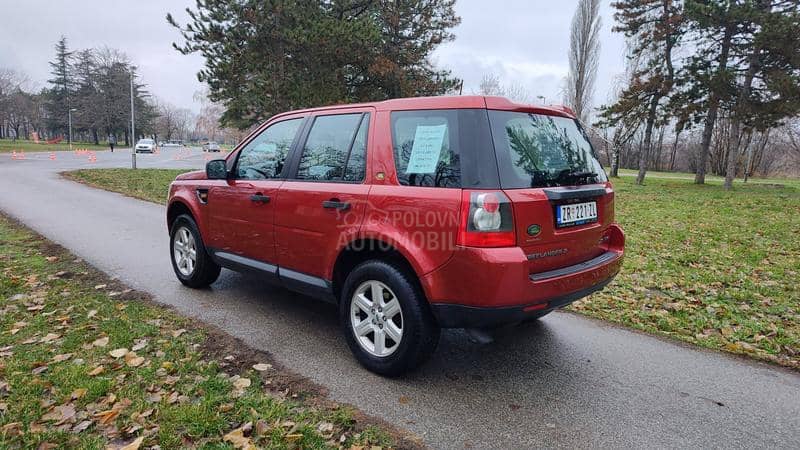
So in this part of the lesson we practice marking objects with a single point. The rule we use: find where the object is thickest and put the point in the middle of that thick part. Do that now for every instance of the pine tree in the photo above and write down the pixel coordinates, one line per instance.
(60, 94)
(265, 57)
(746, 64)
(655, 28)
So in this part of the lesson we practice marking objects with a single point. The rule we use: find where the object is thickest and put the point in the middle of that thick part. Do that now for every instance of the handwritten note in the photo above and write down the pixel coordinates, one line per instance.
(427, 147)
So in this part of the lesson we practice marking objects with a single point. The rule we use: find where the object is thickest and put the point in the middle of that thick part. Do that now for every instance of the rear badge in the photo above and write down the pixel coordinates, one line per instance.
(534, 229)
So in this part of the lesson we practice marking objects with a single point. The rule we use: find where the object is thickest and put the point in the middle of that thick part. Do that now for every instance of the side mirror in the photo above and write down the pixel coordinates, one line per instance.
(216, 170)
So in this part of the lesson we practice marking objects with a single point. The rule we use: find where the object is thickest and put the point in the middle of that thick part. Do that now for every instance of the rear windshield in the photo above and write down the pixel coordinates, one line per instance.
(536, 150)
(448, 148)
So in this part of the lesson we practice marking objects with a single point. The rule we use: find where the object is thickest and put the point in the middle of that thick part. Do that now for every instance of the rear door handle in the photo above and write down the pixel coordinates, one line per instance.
(335, 204)
(259, 198)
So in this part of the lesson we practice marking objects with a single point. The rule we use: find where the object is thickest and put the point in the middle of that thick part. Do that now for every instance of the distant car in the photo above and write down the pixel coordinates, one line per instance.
(211, 146)
(146, 145)
(173, 143)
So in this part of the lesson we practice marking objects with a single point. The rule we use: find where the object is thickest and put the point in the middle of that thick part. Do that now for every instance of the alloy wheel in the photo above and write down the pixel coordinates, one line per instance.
(376, 318)
(184, 251)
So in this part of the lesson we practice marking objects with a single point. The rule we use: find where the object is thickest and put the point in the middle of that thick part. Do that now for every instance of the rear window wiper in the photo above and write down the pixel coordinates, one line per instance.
(566, 176)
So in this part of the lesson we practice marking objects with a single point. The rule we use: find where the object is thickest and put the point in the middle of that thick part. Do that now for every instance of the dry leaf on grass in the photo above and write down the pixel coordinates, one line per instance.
(101, 342)
(50, 337)
(179, 332)
(261, 367)
(118, 353)
(238, 440)
(78, 393)
(241, 383)
(96, 371)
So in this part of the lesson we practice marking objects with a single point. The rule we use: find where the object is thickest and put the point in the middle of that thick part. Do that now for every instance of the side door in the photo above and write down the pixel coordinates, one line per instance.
(242, 209)
(324, 197)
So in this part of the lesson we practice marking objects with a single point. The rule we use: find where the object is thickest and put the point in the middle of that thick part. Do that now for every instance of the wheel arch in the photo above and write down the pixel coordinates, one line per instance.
(365, 249)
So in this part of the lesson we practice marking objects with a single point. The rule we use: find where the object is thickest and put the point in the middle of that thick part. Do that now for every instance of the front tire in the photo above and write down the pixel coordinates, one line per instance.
(386, 319)
(191, 262)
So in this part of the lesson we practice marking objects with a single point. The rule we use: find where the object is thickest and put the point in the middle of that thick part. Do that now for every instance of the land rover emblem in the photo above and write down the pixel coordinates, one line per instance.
(534, 229)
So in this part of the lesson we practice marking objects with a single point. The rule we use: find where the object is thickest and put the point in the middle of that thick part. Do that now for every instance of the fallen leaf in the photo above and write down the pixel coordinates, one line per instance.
(91, 314)
(133, 445)
(118, 353)
(179, 332)
(12, 429)
(139, 345)
(100, 286)
(81, 426)
(96, 371)
(62, 357)
(225, 407)
(104, 417)
(261, 367)
(50, 337)
(241, 383)
(78, 393)
(61, 414)
(101, 342)
(237, 439)
(136, 361)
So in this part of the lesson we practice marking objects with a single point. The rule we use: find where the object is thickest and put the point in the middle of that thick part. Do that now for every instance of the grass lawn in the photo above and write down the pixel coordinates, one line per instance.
(716, 268)
(708, 266)
(144, 184)
(86, 363)
(7, 146)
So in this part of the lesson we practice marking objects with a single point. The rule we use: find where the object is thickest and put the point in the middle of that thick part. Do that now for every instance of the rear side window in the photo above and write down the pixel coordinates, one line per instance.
(335, 149)
(264, 156)
(449, 148)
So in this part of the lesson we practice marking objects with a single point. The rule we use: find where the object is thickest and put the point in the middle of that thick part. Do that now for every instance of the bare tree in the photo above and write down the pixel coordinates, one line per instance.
(491, 85)
(584, 54)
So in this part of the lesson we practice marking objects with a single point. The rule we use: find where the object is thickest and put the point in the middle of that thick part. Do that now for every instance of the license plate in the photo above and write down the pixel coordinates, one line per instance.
(576, 214)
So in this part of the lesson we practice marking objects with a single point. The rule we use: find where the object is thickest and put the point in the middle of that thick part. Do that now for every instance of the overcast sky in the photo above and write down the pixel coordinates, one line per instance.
(523, 42)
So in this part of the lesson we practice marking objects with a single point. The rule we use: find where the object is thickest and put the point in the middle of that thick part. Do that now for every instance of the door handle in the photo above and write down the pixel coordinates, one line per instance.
(259, 198)
(334, 203)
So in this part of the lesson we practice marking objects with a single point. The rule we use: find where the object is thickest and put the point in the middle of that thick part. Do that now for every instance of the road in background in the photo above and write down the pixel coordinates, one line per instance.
(565, 382)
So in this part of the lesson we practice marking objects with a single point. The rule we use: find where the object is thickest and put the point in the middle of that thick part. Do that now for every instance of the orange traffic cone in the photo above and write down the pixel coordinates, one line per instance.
(13, 154)
(92, 157)
(21, 155)
(52, 156)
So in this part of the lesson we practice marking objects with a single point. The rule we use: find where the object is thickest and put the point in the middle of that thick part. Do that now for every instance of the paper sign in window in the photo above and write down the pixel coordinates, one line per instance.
(427, 148)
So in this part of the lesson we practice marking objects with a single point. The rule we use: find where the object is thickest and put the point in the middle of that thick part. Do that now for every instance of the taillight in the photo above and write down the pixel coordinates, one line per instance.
(486, 220)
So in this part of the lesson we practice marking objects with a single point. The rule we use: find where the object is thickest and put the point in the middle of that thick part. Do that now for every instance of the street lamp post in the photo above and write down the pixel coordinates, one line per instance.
(133, 129)
(69, 119)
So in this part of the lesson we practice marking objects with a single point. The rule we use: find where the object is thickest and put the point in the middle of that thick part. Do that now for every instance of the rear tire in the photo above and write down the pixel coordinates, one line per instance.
(191, 262)
(393, 333)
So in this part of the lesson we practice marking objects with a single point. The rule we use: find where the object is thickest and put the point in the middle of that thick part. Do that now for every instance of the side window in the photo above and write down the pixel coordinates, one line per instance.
(264, 156)
(426, 151)
(327, 154)
(356, 167)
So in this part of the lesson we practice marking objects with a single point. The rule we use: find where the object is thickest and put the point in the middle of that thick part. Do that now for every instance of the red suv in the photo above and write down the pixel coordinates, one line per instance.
(411, 214)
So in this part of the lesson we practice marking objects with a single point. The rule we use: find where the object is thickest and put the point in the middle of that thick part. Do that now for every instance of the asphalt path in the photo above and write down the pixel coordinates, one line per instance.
(567, 381)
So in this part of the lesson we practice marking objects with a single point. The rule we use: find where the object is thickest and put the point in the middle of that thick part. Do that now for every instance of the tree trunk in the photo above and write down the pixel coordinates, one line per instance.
(615, 161)
(713, 107)
(742, 102)
(648, 137)
(674, 150)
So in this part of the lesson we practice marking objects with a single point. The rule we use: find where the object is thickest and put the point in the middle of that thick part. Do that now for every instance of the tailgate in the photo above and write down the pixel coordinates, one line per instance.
(549, 245)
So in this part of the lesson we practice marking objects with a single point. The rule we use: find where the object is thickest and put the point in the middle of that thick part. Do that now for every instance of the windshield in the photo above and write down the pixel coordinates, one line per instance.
(145, 141)
(535, 150)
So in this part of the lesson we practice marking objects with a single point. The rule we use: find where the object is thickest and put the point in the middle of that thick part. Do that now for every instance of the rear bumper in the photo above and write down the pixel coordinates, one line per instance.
(462, 316)
(484, 287)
